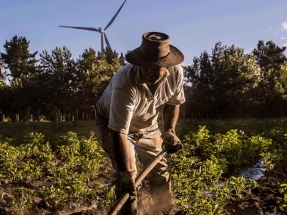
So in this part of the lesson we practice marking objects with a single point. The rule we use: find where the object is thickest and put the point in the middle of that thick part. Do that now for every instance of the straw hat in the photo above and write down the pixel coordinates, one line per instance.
(155, 51)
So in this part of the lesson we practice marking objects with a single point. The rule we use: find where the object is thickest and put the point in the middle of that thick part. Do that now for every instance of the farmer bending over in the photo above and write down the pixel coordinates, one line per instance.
(127, 115)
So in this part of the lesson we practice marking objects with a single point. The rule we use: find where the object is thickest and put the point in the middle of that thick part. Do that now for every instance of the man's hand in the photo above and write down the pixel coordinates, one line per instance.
(128, 183)
(171, 142)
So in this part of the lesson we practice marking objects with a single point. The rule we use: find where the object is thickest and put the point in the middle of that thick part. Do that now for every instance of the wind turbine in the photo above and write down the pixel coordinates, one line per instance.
(100, 30)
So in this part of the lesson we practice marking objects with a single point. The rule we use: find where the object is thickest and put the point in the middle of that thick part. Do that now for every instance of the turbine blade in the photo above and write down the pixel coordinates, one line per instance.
(112, 20)
(82, 28)
(107, 41)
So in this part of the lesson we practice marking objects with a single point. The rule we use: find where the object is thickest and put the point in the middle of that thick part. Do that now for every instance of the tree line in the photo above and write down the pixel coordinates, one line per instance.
(230, 84)
(224, 83)
(55, 80)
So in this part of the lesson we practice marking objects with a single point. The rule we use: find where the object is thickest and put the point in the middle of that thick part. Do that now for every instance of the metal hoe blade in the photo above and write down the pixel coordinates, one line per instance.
(138, 180)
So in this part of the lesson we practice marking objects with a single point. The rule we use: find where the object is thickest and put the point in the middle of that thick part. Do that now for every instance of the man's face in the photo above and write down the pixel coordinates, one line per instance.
(152, 75)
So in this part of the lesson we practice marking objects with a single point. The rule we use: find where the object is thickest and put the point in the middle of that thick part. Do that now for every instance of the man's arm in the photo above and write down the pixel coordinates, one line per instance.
(123, 160)
(170, 117)
(122, 153)
(170, 141)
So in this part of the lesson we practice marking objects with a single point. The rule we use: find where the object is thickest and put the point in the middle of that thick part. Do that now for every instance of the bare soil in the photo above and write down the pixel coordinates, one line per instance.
(265, 199)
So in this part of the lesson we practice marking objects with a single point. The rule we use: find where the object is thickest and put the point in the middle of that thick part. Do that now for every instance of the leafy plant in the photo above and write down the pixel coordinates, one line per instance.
(240, 184)
(71, 165)
(21, 200)
(283, 190)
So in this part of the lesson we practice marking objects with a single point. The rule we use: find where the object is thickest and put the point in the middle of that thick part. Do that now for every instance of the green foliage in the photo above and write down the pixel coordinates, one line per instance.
(271, 92)
(283, 190)
(240, 184)
(68, 163)
(196, 185)
(70, 166)
(269, 56)
(234, 147)
(21, 200)
(58, 80)
(199, 169)
(228, 83)
(93, 75)
(222, 83)
(20, 62)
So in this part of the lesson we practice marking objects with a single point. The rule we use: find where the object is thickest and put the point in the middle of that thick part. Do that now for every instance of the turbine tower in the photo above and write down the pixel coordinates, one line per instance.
(100, 30)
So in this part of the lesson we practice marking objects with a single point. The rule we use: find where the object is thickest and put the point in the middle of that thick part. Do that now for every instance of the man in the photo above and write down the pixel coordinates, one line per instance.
(127, 115)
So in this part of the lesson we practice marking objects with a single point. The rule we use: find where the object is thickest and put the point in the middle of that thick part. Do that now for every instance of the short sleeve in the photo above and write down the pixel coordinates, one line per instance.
(121, 110)
(177, 76)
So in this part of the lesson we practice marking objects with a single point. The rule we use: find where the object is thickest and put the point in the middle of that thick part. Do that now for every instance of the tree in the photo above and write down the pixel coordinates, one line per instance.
(221, 84)
(271, 91)
(18, 59)
(93, 75)
(55, 81)
(2, 73)
(3, 88)
(20, 65)
(269, 56)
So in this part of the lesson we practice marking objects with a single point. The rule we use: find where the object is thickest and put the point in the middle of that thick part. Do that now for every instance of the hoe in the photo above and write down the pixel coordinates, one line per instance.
(119, 204)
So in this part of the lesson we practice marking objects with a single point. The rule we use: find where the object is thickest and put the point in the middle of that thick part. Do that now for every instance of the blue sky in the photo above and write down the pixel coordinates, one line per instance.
(194, 26)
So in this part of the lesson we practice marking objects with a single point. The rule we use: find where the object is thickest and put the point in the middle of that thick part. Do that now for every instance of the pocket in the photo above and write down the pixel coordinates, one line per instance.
(151, 141)
(134, 137)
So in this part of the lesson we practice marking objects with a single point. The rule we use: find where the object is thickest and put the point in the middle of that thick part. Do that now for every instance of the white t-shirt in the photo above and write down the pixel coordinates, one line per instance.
(130, 106)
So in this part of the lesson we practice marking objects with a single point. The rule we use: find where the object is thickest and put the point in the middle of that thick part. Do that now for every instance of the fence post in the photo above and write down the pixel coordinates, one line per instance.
(28, 115)
(59, 116)
(55, 115)
(17, 118)
(76, 117)
(38, 118)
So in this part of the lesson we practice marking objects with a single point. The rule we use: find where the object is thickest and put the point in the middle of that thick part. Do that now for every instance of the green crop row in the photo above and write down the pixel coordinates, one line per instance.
(44, 166)
(200, 171)
(56, 172)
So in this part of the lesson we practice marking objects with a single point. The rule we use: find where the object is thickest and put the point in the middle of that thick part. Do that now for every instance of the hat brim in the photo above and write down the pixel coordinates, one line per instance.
(137, 58)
